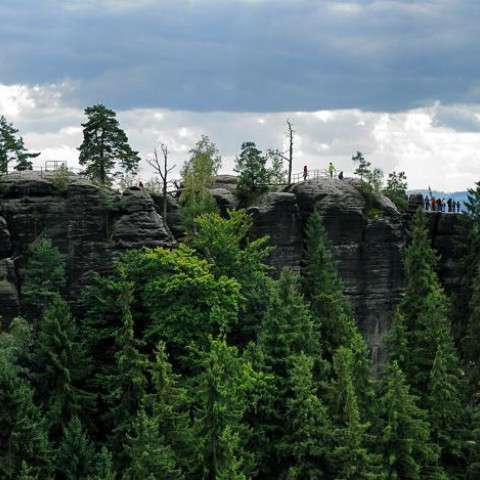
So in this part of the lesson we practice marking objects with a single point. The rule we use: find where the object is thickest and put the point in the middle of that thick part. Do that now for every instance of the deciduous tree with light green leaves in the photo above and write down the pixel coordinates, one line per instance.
(197, 177)
(105, 152)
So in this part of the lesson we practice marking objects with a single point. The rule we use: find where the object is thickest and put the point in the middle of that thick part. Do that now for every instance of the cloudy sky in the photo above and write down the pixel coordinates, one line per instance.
(397, 79)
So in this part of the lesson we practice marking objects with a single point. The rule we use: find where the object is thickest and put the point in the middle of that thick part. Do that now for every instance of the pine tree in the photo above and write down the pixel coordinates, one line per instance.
(424, 306)
(149, 456)
(12, 148)
(351, 458)
(420, 263)
(103, 469)
(105, 151)
(473, 443)
(160, 443)
(44, 276)
(323, 289)
(470, 343)
(75, 453)
(363, 168)
(60, 366)
(306, 441)
(255, 175)
(404, 435)
(125, 385)
(221, 389)
(396, 340)
(446, 409)
(23, 429)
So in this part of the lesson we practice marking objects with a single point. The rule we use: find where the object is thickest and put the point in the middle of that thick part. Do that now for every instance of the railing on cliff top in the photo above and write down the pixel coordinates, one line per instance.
(312, 175)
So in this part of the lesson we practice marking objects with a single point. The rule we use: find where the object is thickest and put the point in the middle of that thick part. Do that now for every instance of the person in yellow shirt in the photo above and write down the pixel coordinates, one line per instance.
(331, 169)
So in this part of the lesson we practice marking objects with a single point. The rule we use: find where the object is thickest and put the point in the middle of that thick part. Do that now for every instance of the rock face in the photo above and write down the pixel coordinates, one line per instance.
(367, 241)
(89, 225)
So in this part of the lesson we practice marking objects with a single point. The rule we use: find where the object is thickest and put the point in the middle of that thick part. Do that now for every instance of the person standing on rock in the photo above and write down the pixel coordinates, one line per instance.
(433, 203)
(305, 173)
(459, 206)
(449, 204)
(331, 169)
(427, 203)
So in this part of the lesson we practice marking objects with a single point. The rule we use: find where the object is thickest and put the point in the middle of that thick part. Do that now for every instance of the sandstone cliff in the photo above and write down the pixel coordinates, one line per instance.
(91, 225)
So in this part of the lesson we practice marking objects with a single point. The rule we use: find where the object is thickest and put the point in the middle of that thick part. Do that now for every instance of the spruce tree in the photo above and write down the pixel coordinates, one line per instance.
(323, 289)
(473, 443)
(351, 456)
(60, 366)
(124, 385)
(404, 436)
(12, 148)
(160, 443)
(446, 408)
(396, 340)
(75, 453)
(148, 454)
(306, 442)
(23, 429)
(220, 390)
(103, 469)
(105, 151)
(44, 276)
(424, 306)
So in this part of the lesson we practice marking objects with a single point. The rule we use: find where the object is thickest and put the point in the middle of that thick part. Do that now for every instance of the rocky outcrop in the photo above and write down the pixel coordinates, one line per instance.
(367, 235)
(90, 225)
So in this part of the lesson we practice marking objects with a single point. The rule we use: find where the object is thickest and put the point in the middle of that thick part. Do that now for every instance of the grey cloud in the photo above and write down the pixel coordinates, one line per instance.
(237, 55)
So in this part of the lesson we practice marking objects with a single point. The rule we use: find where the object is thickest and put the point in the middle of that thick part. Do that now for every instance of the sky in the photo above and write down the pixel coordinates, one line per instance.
(398, 80)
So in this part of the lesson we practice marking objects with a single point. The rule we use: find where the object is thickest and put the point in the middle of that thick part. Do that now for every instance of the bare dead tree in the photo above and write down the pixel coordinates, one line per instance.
(163, 170)
(289, 159)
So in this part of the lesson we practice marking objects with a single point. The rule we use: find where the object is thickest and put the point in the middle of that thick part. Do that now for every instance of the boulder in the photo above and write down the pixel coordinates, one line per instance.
(226, 199)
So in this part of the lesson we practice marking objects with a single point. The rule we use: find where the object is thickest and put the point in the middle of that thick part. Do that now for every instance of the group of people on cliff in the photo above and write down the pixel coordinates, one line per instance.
(331, 170)
(433, 204)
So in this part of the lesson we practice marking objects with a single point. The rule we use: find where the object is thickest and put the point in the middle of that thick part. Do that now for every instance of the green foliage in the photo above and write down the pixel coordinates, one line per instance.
(197, 177)
(404, 430)
(44, 276)
(225, 244)
(59, 179)
(396, 189)
(363, 167)
(183, 299)
(75, 453)
(12, 148)
(307, 439)
(324, 290)
(257, 171)
(23, 429)
(446, 403)
(60, 366)
(221, 391)
(350, 457)
(105, 151)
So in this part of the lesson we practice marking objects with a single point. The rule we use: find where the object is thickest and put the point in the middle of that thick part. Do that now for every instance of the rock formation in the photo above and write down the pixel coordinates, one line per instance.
(91, 226)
